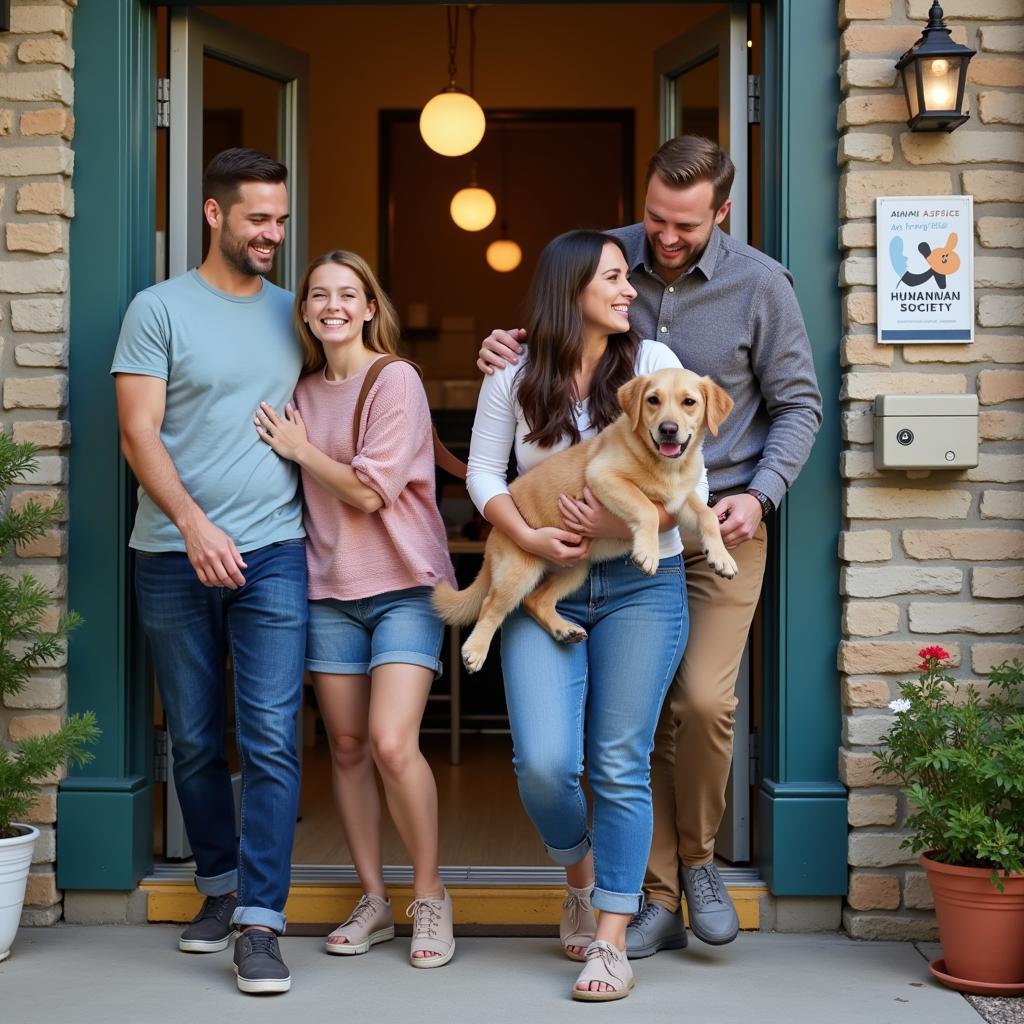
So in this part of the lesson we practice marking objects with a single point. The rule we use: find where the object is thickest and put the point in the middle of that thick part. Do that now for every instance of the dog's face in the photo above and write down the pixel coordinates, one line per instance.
(670, 409)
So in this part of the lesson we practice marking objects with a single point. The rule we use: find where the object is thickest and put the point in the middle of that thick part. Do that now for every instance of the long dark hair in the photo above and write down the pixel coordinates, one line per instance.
(547, 386)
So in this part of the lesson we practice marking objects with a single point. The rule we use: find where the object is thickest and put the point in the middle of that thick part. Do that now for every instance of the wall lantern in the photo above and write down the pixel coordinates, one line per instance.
(934, 74)
(453, 123)
(473, 208)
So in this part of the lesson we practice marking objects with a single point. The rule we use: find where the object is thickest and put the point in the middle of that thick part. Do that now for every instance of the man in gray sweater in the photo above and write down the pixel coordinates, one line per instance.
(728, 311)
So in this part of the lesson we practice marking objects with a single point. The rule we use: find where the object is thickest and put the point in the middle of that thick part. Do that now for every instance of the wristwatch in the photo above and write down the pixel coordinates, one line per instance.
(766, 503)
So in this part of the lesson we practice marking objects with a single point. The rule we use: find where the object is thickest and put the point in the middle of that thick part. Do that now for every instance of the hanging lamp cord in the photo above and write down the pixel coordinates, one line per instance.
(452, 13)
(472, 8)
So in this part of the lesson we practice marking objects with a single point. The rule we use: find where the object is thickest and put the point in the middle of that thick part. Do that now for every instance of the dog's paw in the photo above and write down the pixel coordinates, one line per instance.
(472, 657)
(721, 563)
(570, 634)
(645, 561)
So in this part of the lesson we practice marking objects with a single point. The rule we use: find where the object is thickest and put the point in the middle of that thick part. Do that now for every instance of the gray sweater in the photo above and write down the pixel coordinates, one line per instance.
(734, 317)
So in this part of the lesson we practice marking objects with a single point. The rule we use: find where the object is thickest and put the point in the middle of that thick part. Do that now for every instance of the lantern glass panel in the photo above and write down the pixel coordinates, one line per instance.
(940, 77)
(910, 88)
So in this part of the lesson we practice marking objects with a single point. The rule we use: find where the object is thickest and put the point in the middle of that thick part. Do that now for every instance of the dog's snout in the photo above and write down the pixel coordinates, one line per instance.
(668, 429)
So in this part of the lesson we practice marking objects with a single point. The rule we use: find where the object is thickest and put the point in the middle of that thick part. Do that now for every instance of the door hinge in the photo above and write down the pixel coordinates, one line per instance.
(163, 103)
(160, 755)
(753, 99)
(754, 758)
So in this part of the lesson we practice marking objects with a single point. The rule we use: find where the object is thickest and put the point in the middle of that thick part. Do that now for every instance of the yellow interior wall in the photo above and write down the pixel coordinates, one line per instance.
(365, 58)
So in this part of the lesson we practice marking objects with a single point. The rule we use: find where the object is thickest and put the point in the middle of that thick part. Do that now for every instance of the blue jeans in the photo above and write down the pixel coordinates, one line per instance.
(601, 697)
(192, 630)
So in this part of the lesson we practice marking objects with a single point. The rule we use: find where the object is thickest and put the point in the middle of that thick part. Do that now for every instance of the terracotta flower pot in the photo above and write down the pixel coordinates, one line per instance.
(981, 928)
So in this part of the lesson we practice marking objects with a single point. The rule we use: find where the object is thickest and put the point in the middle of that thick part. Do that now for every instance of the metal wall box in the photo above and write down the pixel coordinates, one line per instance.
(926, 431)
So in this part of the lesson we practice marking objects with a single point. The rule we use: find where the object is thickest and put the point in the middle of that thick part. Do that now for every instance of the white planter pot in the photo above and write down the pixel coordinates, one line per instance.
(15, 860)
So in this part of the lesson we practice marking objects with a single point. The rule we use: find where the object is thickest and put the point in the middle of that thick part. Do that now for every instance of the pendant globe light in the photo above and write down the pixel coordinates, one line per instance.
(453, 123)
(473, 208)
(503, 255)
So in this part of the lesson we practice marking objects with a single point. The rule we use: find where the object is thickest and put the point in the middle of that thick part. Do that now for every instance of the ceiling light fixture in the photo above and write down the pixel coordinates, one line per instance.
(453, 123)
(473, 208)
(504, 255)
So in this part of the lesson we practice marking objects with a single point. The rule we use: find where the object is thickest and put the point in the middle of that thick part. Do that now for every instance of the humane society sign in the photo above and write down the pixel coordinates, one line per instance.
(925, 269)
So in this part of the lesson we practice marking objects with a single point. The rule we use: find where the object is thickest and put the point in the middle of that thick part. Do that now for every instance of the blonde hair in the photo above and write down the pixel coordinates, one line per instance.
(380, 334)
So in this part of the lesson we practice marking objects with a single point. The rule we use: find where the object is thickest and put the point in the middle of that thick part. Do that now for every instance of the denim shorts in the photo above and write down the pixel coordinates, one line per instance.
(352, 638)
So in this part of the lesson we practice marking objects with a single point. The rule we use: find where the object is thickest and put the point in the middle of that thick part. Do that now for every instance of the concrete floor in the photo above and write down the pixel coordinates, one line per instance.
(135, 974)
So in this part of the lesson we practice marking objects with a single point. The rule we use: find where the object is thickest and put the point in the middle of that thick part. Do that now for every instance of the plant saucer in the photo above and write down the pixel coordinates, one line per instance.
(974, 988)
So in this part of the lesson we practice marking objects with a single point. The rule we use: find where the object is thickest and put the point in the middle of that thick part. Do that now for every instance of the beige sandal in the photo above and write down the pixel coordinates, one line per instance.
(578, 924)
(371, 922)
(431, 931)
(606, 964)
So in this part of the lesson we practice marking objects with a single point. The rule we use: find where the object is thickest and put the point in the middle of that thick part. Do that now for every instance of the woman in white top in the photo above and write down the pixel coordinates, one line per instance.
(597, 701)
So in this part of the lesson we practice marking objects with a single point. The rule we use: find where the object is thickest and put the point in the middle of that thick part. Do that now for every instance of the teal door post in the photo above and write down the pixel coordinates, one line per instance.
(105, 815)
(801, 803)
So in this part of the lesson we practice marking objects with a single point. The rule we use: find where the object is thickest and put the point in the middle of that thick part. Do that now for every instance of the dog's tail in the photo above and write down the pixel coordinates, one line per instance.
(461, 607)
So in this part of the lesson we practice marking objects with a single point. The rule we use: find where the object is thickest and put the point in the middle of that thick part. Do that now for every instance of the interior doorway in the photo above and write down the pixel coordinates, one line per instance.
(270, 77)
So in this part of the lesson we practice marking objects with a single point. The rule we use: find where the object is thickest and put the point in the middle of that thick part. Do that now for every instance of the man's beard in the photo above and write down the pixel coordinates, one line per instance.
(238, 257)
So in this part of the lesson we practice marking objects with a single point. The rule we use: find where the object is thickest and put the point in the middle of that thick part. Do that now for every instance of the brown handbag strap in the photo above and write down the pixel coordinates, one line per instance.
(442, 456)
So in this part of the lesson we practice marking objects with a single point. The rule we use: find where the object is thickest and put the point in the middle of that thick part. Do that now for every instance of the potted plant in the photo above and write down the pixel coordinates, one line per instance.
(959, 757)
(24, 646)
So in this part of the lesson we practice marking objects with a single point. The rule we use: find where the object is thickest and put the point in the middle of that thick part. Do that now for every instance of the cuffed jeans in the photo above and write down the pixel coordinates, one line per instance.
(192, 630)
(601, 697)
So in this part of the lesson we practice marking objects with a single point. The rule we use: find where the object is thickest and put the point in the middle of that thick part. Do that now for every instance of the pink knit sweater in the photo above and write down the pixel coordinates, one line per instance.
(352, 554)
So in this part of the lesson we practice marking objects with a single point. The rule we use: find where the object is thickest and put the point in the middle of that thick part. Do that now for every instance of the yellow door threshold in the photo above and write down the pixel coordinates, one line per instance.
(497, 905)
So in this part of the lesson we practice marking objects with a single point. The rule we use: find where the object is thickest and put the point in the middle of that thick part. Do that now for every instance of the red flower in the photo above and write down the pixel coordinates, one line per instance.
(932, 654)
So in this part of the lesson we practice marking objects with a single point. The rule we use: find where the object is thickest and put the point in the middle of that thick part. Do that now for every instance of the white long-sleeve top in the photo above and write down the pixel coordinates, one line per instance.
(500, 426)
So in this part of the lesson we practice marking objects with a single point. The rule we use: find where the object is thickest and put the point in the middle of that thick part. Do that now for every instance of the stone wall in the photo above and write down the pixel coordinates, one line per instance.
(927, 557)
(36, 204)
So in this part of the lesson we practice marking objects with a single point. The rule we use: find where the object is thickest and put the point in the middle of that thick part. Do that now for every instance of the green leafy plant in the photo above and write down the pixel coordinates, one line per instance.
(24, 646)
(959, 757)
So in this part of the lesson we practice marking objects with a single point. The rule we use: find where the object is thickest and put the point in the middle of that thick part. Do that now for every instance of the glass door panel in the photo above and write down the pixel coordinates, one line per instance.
(702, 89)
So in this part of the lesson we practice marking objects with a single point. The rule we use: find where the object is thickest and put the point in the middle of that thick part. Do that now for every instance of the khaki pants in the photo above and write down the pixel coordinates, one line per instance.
(693, 744)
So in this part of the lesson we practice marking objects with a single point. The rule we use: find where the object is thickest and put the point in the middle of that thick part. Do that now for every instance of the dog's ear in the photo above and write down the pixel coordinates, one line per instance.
(717, 404)
(630, 397)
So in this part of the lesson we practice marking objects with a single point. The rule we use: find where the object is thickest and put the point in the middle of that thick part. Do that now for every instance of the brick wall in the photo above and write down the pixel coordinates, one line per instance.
(927, 557)
(36, 204)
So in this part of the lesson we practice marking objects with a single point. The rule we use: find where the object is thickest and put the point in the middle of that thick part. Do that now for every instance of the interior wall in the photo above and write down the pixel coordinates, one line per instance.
(364, 59)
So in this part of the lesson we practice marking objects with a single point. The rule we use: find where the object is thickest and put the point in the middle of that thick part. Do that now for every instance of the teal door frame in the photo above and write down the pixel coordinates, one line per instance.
(105, 810)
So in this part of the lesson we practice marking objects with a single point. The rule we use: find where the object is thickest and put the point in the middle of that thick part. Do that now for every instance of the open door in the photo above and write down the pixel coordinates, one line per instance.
(702, 89)
(702, 85)
(228, 87)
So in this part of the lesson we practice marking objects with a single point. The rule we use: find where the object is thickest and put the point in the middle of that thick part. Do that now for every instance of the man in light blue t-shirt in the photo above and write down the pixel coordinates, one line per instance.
(220, 565)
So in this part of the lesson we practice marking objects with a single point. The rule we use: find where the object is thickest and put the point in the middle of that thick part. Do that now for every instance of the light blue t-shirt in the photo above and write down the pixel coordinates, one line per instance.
(221, 355)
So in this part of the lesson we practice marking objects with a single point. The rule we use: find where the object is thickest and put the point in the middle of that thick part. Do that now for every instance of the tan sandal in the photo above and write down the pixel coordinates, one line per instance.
(579, 924)
(431, 931)
(371, 922)
(605, 964)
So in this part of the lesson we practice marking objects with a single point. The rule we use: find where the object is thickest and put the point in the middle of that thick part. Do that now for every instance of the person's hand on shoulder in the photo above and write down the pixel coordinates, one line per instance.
(500, 349)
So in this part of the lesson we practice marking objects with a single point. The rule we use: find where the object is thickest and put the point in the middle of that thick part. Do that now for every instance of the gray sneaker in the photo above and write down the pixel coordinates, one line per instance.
(258, 963)
(652, 929)
(211, 928)
(712, 916)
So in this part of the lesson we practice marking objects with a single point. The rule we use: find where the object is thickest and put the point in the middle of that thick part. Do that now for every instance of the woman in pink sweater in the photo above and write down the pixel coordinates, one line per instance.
(375, 549)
